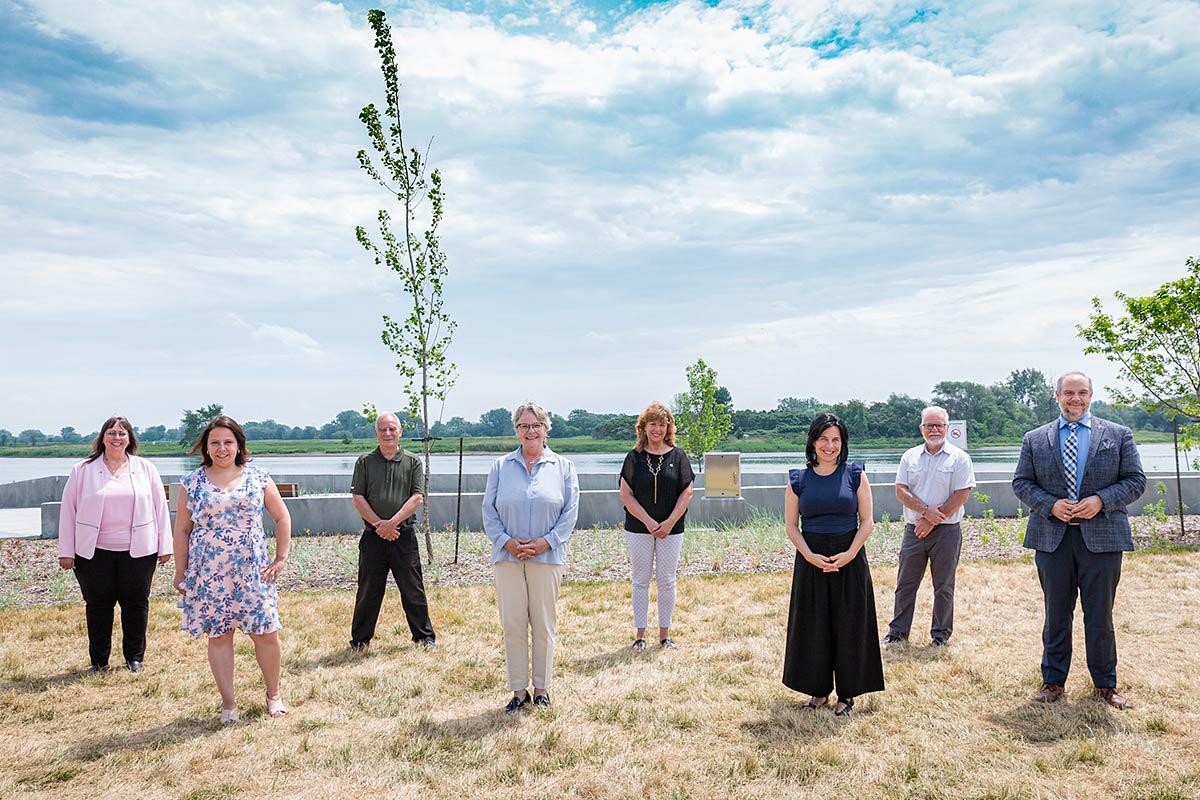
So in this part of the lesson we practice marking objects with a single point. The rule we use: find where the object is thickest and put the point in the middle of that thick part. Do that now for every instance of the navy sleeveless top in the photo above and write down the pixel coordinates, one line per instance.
(828, 503)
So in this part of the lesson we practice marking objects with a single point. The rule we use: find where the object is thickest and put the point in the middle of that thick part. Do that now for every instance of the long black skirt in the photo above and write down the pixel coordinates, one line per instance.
(832, 635)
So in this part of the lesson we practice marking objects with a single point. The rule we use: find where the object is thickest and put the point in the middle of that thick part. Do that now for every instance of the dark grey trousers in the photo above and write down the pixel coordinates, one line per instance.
(1070, 572)
(940, 550)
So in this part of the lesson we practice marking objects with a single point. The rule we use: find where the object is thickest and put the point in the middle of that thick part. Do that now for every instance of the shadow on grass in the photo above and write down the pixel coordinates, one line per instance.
(1041, 723)
(341, 657)
(623, 655)
(172, 733)
(788, 721)
(31, 684)
(473, 727)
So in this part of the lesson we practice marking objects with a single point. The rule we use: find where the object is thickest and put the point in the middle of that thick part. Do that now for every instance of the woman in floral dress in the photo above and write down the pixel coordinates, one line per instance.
(222, 566)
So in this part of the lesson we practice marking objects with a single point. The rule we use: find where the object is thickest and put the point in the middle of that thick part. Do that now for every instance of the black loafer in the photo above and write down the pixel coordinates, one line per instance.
(940, 641)
(892, 638)
(96, 669)
(358, 647)
(516, 704)
(541, 700)
(133, 666)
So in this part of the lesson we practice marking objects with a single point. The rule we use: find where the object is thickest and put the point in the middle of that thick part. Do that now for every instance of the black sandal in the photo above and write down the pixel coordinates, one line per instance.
(815, 702)
(847, 707)
(639, 645)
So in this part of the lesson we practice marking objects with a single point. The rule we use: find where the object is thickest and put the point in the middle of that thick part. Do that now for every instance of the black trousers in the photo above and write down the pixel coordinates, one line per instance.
(376, 558)
(1072, 571)
(107, 578)
(832, 635)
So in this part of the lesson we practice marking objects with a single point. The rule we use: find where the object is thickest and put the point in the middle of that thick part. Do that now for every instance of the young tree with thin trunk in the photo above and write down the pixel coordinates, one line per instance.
(1156, 344)
(419, 339)
(703, 422)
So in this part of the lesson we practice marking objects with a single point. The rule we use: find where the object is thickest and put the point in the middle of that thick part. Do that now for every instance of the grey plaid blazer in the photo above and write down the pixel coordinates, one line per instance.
(1113, 472)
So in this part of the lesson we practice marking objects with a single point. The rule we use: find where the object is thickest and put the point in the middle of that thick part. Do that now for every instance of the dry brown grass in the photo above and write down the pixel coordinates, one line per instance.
(710, 720)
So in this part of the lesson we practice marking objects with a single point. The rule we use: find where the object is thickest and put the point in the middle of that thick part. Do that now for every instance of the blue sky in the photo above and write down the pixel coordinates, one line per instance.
(830, 199)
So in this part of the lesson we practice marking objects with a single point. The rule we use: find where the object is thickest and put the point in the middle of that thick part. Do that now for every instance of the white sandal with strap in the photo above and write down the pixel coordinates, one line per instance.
(275, 706)
(229, 715)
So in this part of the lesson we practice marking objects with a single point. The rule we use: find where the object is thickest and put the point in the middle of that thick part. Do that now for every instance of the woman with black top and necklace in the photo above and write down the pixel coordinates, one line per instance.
(656, 487)
(832, 635)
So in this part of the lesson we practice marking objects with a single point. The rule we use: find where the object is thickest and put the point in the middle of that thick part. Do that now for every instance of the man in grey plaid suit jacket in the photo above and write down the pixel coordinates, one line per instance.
(1077, 475)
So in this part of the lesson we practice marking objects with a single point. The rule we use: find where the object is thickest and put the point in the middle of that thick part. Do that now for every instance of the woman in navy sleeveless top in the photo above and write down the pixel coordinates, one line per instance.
(832, 636)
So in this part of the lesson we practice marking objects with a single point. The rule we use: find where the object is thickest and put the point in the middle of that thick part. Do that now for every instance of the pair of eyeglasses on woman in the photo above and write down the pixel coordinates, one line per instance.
(529, 427)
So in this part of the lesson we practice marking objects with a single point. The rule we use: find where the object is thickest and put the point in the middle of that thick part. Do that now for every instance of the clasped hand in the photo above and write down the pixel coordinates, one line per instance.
(831, 563)
(1086, 508)
(525, 549)
(387, 530)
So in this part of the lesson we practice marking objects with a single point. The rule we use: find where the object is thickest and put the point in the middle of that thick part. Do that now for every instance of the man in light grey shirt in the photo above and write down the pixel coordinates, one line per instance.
(933, 483)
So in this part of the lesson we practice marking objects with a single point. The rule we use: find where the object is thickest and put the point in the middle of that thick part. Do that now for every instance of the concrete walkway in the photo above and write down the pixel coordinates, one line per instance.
(20, 523)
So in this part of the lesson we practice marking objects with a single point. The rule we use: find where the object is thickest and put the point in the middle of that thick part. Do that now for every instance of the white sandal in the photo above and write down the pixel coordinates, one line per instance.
(229, 715)
(275, 706)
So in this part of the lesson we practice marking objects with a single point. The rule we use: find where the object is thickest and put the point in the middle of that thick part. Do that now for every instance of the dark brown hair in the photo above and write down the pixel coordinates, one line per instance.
(243, 453)
(822, 423)
(98, 445)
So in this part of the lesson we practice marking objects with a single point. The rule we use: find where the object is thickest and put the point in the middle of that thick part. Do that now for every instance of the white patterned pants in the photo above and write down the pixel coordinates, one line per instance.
(644, 552)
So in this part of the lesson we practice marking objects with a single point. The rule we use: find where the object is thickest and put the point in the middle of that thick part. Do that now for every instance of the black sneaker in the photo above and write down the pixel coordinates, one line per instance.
(892, 638)
(516, 704)
(940, 641)
(541, 700)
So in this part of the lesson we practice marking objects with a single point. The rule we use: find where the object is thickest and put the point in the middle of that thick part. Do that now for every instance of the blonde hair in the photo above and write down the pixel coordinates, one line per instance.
(532, 407)
(655, 412)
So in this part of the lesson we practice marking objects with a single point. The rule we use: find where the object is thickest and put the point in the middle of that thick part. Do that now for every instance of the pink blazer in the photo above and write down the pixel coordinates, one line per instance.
(82, 504)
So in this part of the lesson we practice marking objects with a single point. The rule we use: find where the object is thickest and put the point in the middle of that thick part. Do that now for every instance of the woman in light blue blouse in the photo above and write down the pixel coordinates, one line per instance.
(529, 511)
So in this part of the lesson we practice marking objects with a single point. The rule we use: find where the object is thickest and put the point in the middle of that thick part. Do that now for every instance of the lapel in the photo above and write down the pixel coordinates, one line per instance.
(1094, 442)
(1055, 453)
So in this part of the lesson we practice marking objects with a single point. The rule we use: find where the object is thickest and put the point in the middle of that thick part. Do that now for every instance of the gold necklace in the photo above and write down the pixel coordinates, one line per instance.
(116, 469)
(654, 470)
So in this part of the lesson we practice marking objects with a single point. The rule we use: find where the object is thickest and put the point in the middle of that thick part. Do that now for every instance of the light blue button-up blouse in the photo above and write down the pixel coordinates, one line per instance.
(518, 504)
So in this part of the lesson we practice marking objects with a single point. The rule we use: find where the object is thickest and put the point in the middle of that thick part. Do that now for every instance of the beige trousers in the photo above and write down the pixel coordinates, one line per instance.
(527, 594)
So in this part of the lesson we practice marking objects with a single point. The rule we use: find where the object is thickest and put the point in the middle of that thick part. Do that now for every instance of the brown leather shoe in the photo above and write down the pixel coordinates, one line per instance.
(1110, 696)
(1049, 693)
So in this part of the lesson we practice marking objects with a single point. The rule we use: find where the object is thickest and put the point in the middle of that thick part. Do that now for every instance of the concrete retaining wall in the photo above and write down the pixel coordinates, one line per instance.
(333, 513)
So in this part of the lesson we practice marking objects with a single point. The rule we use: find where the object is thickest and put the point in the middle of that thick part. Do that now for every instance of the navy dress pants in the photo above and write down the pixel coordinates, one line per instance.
(1069, 572)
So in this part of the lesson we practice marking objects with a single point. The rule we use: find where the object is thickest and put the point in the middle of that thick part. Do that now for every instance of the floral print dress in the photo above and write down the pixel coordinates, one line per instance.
(227, 552)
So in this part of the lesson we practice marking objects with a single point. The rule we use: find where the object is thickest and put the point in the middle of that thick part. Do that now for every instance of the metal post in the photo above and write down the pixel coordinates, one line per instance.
(458, 503)
(1179, 483)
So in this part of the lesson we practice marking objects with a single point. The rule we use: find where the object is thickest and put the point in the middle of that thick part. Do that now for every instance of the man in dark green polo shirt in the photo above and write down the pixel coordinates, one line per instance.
(386, 492)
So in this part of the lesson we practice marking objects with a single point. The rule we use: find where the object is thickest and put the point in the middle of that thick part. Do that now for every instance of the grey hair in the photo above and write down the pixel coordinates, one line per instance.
(1065, 375)
(531, 407)
(938, 409)
(391, 414)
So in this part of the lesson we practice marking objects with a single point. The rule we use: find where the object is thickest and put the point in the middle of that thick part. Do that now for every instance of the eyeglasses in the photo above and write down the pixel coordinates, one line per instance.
(934, 426)
(116, 433)
(529, 427)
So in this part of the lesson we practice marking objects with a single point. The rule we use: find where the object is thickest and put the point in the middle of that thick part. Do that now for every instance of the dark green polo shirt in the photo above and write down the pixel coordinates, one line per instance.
(387, 483)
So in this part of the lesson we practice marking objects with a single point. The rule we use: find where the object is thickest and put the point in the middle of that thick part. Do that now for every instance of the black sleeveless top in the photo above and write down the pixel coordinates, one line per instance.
(674, 475)
(828, 503)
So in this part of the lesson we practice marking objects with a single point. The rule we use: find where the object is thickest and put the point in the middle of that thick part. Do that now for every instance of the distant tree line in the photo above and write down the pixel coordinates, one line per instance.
(1004, 410)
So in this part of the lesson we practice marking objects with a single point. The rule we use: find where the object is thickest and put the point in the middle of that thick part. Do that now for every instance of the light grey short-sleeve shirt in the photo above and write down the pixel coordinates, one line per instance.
(933, 478)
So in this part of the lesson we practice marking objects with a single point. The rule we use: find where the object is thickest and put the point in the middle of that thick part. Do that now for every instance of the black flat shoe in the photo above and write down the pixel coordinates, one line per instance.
(541, 700)
(96, 669)
(516, 704)
(133, 666)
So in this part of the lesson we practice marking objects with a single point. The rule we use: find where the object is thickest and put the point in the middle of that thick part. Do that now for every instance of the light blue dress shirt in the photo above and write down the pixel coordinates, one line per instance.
(1083, 438)
(518, 504)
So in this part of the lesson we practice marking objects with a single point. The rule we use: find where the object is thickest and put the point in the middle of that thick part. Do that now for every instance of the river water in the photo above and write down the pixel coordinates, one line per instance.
(1155, 458)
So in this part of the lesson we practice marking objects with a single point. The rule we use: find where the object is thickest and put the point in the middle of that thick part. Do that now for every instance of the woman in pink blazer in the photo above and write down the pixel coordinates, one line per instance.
(113, 529)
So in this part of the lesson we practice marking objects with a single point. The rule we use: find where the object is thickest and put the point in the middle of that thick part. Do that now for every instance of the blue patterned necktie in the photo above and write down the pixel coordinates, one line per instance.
(1071, 460)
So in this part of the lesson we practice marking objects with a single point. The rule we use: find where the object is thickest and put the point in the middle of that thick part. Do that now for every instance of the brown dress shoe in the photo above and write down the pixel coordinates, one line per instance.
(1049, 693)
(1110, 696)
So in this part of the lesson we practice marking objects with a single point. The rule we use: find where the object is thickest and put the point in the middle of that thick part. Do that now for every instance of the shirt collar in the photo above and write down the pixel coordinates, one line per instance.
(1085, 421)
(547, 455)
(398, 457)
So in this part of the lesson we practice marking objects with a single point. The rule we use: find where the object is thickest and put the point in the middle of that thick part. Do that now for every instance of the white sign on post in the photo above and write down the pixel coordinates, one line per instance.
(957, 435)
